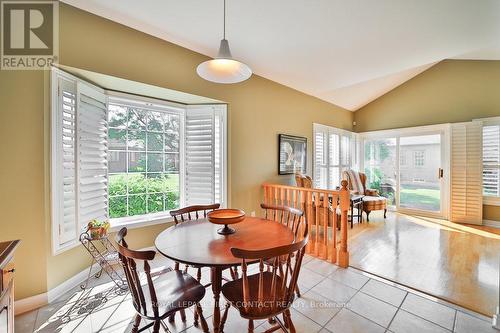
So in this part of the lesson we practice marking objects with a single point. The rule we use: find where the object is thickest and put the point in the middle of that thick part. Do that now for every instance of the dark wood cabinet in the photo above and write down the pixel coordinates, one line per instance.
(7, 271)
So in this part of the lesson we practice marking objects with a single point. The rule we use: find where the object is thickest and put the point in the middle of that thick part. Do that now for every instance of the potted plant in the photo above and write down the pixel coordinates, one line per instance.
(98, 229)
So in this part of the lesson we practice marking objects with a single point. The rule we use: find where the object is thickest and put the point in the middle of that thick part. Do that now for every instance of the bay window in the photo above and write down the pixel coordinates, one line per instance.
(129, 159)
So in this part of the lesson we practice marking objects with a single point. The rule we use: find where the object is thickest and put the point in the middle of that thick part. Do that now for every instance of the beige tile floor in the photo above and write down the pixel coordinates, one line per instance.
(333, 300)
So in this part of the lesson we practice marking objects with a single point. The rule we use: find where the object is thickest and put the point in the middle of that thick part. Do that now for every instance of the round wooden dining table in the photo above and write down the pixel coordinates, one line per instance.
(198, 243)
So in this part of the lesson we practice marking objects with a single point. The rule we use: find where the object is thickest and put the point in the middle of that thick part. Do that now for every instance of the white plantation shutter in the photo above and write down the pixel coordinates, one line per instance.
(79, 158)
(491, 160)
(466, 173)
(320, 162)
(64, 161)
(333, 153)
(204, 130)
(219, 157)
(92, 155)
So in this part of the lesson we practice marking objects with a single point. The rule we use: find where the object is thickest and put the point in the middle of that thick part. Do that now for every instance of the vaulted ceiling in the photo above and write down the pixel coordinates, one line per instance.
(347, 52)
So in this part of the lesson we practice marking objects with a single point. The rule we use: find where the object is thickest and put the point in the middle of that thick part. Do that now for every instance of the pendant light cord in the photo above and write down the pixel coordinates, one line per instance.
(224, 19)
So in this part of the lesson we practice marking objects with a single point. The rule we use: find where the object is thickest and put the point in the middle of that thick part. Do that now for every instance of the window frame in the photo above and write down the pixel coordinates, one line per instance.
(489, 199)
(144, 220)
(416, 158)
(151, 104)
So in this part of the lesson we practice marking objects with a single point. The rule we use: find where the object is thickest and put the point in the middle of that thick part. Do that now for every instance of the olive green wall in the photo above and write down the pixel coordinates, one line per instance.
(22, 157)
(451, 91)
(258, 110)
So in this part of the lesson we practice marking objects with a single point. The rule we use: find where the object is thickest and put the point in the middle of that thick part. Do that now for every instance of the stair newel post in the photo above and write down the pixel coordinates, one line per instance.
(344, 196)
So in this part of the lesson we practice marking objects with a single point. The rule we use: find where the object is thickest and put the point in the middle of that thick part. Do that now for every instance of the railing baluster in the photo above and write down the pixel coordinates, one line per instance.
(344, 207)
(334, 231)
(309, 218)
(316, 205)
(324, 247)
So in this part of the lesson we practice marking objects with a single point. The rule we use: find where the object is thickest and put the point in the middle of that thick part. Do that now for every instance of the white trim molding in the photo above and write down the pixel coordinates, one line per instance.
(491, 201)
(30, 303)
(37, 301)
(496, 319)
(491, 223)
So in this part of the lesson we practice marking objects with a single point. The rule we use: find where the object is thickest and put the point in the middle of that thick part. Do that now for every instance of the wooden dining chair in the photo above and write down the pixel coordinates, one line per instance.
(267, 294)
(156, 297)
(287, 216)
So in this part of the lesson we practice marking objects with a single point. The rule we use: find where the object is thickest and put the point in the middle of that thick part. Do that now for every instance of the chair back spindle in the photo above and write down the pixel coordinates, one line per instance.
(191, 213)
(140, 291)
(271, 292)
(288, 216)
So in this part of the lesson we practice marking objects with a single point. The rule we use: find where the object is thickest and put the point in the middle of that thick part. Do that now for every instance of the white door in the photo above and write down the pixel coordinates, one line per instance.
(421, 174)
(410, 168)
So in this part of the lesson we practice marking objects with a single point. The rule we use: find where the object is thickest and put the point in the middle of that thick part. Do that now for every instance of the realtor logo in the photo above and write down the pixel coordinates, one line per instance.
(30, 31)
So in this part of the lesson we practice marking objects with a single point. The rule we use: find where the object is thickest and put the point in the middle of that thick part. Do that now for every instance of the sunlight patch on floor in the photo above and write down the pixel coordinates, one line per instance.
(451, 226)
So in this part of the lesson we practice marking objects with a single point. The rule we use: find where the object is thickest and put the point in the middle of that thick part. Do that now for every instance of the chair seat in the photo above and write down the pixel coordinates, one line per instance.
(175, 290)
(233, 292)
(374, 203)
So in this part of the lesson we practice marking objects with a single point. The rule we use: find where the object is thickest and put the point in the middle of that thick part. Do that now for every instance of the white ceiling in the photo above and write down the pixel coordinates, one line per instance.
(347, 52)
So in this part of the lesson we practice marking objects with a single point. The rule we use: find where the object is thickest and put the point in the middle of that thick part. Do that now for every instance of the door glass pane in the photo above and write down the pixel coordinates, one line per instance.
(380, 167)
(419, 163)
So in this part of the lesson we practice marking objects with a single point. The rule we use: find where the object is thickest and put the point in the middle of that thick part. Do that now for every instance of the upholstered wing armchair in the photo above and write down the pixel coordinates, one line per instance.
(372, 200)
(306, 182)
(303, 180)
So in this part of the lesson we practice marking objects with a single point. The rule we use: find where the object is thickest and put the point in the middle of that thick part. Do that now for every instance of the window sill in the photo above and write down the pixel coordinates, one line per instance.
(139, 221)
(491, 201)
(57, 250)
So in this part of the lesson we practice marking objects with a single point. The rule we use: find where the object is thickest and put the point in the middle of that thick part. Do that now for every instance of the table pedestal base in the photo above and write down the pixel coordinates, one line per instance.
(216, 277)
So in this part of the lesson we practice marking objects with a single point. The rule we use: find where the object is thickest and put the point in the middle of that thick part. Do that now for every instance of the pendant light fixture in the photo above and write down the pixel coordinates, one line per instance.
(224, 69)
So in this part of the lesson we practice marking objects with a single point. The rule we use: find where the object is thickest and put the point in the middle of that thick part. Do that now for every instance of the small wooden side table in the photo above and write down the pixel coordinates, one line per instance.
(356, 202)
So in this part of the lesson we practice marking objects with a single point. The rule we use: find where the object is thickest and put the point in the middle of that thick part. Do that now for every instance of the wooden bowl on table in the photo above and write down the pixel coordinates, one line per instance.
(226, 217)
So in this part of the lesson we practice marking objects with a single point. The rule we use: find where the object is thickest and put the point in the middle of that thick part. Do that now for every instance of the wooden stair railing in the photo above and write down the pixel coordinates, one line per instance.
(320, 207)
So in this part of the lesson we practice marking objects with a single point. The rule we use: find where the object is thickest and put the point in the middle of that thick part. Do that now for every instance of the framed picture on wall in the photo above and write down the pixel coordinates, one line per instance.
(292, 154)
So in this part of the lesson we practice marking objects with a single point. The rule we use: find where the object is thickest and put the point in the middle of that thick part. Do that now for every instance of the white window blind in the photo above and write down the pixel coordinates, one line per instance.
(335, 151)
(466, 173)
(491, 160)
(320, 173)
(204, 129)
(64, 161)
(92, 155)
(79, 158)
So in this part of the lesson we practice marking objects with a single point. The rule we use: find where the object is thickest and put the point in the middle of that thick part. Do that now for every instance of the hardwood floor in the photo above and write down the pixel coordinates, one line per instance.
(458, 263)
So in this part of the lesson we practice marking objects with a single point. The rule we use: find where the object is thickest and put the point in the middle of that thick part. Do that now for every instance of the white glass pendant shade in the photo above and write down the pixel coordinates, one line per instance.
(224, 69)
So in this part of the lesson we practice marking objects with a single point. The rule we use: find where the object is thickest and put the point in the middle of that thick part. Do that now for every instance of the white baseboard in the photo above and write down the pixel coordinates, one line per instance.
(56, 292)
(37, 301)
(30, 303)
(491, 223)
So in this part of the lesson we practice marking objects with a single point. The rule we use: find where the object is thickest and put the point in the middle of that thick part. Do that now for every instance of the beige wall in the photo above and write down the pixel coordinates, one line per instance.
(259, 109)
(451, 91)
(22, 175)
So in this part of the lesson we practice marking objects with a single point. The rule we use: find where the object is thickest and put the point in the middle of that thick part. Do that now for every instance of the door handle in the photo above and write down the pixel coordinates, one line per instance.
(440, 173)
